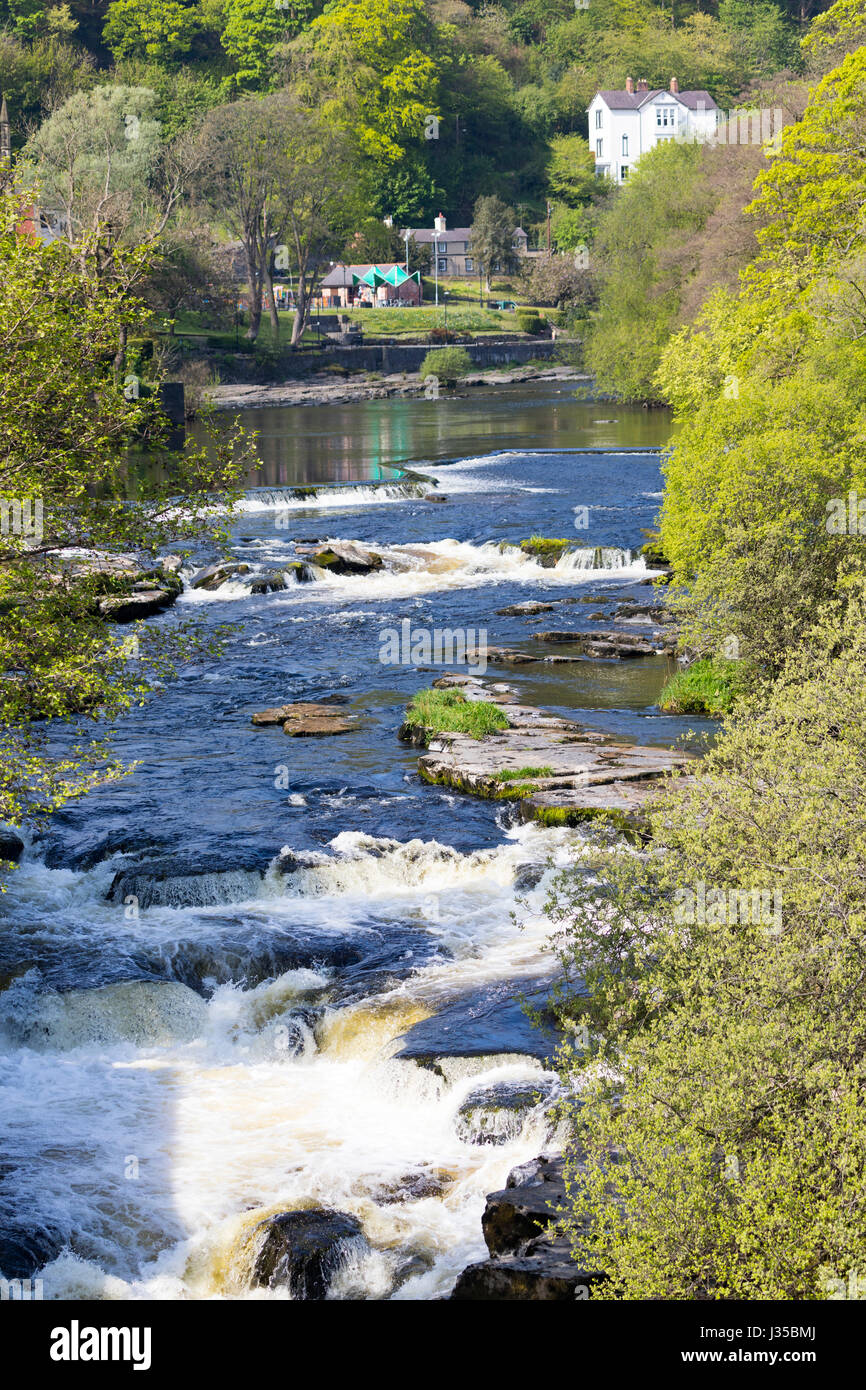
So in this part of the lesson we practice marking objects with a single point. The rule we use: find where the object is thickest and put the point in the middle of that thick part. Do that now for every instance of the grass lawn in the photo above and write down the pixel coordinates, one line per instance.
(448, 711)
(463, 317)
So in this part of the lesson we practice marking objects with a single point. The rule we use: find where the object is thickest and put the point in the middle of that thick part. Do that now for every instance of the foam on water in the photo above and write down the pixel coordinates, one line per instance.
(222, 1123)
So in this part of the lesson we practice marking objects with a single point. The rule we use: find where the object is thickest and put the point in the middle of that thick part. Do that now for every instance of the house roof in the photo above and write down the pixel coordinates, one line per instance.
(633, 101)
(425, 236)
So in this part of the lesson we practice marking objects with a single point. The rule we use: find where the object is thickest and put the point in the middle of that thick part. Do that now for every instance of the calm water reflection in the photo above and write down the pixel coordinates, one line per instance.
(367, 440)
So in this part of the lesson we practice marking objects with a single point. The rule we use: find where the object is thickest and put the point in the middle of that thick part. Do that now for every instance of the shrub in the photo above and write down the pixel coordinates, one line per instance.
(446, 363)
(720, 1147)
(529, 322)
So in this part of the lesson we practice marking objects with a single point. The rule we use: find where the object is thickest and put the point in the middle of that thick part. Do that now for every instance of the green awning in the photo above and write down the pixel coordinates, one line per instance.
(396, 276)
(373, 277)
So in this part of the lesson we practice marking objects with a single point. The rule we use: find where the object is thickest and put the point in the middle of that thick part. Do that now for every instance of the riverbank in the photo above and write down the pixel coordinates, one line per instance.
(324, 388)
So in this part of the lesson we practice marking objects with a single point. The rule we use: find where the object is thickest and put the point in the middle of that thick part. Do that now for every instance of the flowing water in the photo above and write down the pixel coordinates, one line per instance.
(209, 969)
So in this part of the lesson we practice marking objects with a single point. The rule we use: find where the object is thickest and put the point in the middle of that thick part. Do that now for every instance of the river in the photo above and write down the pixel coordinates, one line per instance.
(209, 967)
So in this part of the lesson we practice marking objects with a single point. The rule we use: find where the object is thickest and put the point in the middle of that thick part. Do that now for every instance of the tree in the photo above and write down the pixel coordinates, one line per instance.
(492, 237)
(165, 31)
(102, 166)
(277, 174)
(718, 1042)
(314, 170)
(664, 202)
(571, 171)
(768, 392)
(252, 30)
(68, 424)
(95, 158)
(240, 145)
(373, 242)
(557, 281)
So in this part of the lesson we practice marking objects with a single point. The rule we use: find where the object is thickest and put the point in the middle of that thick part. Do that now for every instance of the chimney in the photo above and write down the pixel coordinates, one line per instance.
(629, 85)
(675, 86)
(642, 86)
(439, 223)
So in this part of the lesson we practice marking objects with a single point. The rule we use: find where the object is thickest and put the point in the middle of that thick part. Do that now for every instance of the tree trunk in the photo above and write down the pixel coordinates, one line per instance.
(254, 279)
(120, 355)
(302, 302)
(271, 302)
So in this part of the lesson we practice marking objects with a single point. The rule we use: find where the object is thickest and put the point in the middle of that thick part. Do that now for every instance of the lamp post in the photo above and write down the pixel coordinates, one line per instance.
(445, 294)
(436, 236)
(406, 237)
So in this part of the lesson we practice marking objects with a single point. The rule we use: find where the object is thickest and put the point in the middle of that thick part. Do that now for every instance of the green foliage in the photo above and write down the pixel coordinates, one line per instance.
(663, 203)
(720, 1148)
(708, 686)
(544, 545)
(490, 240)
(252, 30)
(529, 322)
(96, 154)
(164, 31)
(769, 392)
(571, 172)
(449, 711)
(94, 457)
(446, 363)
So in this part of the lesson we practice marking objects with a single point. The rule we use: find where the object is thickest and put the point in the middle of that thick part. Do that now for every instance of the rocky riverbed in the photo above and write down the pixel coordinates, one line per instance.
(329, 388)
(291, 950)
(561, 772)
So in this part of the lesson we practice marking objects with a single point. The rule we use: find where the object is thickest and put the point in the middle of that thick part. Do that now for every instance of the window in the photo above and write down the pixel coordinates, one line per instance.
(443, 262)
(625, 144)
(623, 173)
(598, 118)
(599, 144)
(470, 266)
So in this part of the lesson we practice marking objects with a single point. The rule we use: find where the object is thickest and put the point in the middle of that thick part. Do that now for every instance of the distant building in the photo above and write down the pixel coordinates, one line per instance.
(453, 248)
(625, 125)
(384, 284)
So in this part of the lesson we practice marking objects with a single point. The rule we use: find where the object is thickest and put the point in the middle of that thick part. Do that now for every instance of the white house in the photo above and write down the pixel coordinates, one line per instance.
(624, 125)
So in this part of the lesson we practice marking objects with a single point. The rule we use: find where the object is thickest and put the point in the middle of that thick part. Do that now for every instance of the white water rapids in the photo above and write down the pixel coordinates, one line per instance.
(157, 1128)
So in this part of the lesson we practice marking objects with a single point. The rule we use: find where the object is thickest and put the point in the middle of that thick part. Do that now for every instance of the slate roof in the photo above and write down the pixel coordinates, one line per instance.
(633, 101)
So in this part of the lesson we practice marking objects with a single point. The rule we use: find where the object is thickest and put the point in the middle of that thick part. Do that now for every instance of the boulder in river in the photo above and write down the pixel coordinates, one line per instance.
(304, 1250)
(546, 551)
(524, 610)
(530, 1257)
(602, 644)
(346, 557)
(11, 845)
(495, 1113)
(127, 608)
(212, 576)
(306, 719)
(268, 583)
